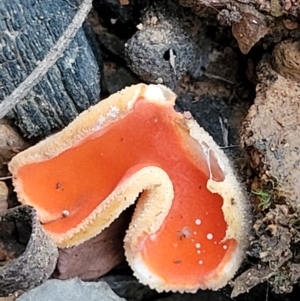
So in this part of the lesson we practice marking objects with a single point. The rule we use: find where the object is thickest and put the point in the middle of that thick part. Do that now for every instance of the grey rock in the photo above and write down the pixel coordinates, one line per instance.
(29, 30)
(163, 51)
(70, 290)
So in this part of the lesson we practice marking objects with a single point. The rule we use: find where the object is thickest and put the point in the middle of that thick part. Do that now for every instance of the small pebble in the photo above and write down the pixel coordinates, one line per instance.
(3, 196)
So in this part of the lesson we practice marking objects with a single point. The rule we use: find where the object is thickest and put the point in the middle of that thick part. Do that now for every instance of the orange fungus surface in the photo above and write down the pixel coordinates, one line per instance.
(190, 241)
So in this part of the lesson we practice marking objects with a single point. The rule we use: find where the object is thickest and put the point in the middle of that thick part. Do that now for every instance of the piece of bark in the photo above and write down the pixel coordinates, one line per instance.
(96, 256)
(19, 272)
(69, 87)
(3, 196)
(249, 279)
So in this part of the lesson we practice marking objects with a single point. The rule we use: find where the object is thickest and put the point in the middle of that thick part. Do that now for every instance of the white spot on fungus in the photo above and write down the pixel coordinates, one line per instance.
(198, 252)
(209, 236)
(195, 232)
(198, 246)
(200, 262)
(100, 122)
(224, 247)
(153, 237)
(65, 213)
(198, 221)
(185, 232)
(113, 113)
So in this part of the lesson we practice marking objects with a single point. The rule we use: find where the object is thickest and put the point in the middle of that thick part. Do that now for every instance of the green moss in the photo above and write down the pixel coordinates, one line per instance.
(265, 199)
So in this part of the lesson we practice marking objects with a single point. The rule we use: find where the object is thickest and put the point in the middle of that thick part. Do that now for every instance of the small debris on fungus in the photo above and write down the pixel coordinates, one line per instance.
(185, 233)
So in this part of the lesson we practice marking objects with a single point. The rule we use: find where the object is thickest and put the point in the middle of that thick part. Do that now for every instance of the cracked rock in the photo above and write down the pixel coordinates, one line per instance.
(73, 289)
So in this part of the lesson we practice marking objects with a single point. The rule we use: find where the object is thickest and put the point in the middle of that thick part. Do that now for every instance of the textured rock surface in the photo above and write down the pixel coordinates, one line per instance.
(271, 137)
(10, 144)
(73, 289)
(271, 129)
(36, 263)
(162, 51)
(105, 250)
(286, 59)
(72, 85)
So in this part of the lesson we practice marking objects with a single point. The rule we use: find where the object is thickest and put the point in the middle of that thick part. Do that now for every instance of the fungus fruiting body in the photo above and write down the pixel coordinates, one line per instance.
(189, 227)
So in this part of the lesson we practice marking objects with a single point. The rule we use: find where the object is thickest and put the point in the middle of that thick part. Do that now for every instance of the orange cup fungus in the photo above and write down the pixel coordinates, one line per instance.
(189, 228)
